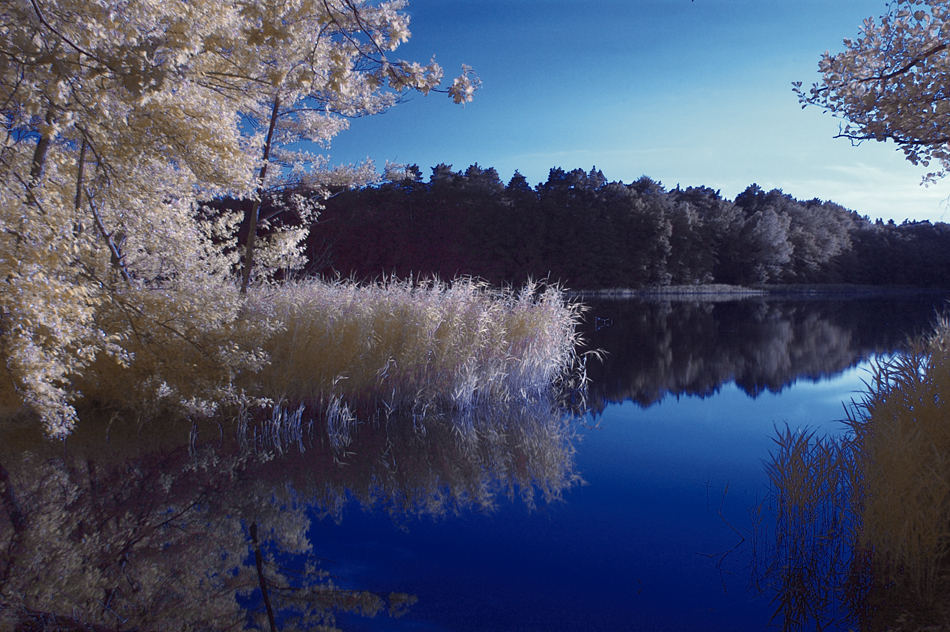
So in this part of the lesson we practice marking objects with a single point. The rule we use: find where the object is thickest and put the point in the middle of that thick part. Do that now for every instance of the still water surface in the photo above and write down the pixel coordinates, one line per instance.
(662, 534)
(639, 515)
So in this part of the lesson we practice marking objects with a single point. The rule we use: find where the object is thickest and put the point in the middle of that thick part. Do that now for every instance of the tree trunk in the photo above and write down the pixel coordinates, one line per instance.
(255, 209)
(39, 154)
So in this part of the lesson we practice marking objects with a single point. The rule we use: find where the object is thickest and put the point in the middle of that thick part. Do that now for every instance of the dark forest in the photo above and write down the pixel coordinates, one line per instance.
(587, 233)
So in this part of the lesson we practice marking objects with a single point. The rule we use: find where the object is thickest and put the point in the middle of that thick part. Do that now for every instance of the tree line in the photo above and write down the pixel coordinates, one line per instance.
(586, 232)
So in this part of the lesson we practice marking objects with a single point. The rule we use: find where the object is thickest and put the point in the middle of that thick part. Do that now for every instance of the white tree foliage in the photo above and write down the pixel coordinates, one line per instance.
(891, 83)
(119, 117)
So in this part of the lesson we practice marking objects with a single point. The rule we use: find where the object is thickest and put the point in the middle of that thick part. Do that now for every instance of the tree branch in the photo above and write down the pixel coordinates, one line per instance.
(900, 140)
(77, 202)
(73, 45)
(115, 249)
(913, 62)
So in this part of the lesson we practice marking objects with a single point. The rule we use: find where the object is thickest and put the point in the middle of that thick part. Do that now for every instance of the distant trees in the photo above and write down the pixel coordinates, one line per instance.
(579, 228)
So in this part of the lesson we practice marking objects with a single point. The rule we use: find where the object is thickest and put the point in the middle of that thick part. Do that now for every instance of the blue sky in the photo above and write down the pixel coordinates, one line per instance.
(686, 92)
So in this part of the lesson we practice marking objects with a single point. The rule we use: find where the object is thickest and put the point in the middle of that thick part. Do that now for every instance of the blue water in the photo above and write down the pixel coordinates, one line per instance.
(671, 527)
(659, 536)
(667, 527)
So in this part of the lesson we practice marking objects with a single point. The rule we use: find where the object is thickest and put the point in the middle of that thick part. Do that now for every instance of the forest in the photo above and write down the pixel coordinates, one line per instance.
(585, 232)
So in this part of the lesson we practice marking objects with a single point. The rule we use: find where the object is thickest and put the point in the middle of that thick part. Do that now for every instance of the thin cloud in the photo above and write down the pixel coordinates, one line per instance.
(878, 192)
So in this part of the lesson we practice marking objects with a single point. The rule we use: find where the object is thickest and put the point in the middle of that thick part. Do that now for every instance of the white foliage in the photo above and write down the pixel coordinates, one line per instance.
(891, 83)
(119, 118)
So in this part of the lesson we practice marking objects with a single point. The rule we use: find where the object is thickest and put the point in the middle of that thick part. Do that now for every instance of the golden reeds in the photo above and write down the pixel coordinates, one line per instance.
(902, 445)
(396, 346)
(407, 346)
(866, 516)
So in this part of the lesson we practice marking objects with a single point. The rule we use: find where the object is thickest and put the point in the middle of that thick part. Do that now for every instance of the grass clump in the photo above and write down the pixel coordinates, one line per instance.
(408, 346)
(339, 349)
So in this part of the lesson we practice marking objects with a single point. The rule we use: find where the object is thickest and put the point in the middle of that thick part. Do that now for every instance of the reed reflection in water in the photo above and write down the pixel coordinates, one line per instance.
(862, 535)
(150, 528)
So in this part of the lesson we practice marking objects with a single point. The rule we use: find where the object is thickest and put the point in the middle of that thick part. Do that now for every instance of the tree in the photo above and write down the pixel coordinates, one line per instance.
(764, 242)
(309, 66)
(890, 83)
(118, 119)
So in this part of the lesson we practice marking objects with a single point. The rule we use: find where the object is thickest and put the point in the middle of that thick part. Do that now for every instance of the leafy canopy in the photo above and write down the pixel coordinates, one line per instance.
(890, 83)
(118, 118)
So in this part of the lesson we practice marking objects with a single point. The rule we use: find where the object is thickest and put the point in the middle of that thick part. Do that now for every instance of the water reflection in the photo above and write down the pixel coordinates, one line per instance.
(807, 561)
(151, 529)
(124, 528)
(657, 348)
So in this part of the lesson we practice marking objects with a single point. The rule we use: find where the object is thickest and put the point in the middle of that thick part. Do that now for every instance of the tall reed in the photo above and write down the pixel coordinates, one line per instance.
(365, 349)
(901, 443)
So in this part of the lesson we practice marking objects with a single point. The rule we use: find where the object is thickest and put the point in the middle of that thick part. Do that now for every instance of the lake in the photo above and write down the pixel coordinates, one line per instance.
(648, 511)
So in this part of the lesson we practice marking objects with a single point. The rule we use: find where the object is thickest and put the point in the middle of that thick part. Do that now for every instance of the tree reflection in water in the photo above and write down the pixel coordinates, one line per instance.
(148, 530)
(660, 347)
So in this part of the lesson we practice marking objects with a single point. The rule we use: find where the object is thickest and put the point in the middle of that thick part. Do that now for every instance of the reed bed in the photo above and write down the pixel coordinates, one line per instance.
(901, 432)
(865, 518)
(342, 350)
(407, 346)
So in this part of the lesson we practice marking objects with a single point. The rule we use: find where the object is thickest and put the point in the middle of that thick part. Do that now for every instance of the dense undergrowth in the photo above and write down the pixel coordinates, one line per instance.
(342, 349)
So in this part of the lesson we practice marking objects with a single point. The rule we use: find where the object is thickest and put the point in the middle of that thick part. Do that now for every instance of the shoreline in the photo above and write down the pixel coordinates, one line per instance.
(724, 292)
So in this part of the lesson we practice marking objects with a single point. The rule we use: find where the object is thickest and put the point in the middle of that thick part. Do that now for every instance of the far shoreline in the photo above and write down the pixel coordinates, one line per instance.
(725, 292)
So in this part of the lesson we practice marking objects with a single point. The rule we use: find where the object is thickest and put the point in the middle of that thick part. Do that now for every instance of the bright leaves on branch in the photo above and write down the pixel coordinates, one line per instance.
(308, 66)
(891, 83)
